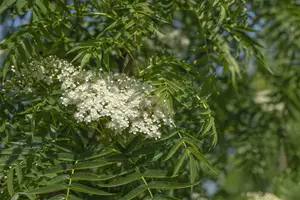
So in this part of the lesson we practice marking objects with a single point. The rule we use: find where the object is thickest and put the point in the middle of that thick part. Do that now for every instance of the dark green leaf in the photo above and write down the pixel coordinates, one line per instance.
(174, 149)
(58, 179)
(86, 176)
(122, 180)
(95, 164)
(49, 189)
(180, 163)
(162, 185)
(60, 168)
(135, 192)
(86, 189)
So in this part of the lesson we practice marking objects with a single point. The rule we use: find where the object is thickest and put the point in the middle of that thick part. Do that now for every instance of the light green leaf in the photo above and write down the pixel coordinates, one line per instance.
(5, 69)
(59, 197)
(15, 197)
(85, 59)
(6, 4)
(10, 182)
(41, 6)
(19, 173)
(20, 5)
(209, 124)
(193, 169)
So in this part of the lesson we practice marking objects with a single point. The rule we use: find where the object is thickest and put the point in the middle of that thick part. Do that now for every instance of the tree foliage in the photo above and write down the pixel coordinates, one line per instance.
(208, 62)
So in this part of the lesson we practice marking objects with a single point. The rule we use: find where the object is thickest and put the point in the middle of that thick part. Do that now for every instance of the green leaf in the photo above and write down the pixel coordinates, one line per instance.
(162, 185)
(22, 52)
(154, 173)
(88, 155)
(193, 169)
(19, 173)
(135, 192)
(10, 182)
(28, 45)
(59, 197)
(86, 176)
(2, 128)
(85, 59)
(44, 32)
(5, 69)
(65, 156)
(201, 158)
(78, 56)
(60, 168)
(20, 5)
(192, 142)
(49, 189)
(85, 189)
(174, 149)
(15, 197)
(123, 180)
(30, 196)
(209, 125)
(58, 179)
(88, 165)
(6, 4)
(41, 6)
(180, 162)
(73, 197)
(160, 197)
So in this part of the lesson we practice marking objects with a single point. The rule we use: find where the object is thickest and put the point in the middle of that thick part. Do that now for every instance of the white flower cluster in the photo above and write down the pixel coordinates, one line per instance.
(263, 98)
(127, 103)
(261, 196)
(46, 69)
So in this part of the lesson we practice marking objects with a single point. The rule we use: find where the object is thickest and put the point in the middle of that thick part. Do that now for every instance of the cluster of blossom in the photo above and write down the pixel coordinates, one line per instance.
(265, 100)
(129, 104)
(44, 70)
(175, 39)
(261, 196)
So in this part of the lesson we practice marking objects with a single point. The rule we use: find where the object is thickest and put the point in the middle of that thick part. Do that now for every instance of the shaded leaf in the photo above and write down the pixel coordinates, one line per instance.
(49, 189)
(123, 180)
(135, 192)
(162, 185)
(88, 165)
(86, 189)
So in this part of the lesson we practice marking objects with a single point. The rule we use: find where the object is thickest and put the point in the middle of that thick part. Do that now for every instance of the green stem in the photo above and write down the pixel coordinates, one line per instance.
(70, 182)
(144, 180)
